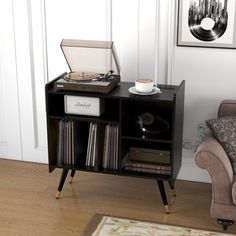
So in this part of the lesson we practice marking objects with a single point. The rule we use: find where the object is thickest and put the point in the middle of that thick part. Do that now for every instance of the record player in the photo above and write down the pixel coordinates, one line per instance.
(94, 66)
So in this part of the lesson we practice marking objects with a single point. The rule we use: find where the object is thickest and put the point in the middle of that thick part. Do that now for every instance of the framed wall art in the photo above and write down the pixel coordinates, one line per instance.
(207, 23)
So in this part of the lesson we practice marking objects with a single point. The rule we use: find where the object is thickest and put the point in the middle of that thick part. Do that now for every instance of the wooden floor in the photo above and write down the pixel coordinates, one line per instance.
(28, 205)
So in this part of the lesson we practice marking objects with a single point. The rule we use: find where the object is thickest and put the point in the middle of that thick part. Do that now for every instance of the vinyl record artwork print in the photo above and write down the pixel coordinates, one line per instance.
(207, 23)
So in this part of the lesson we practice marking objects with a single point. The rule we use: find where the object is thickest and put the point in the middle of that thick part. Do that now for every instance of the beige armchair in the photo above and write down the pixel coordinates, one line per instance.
(211, 156)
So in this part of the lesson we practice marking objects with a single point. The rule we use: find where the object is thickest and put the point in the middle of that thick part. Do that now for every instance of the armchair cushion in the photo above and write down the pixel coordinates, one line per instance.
(224, 130)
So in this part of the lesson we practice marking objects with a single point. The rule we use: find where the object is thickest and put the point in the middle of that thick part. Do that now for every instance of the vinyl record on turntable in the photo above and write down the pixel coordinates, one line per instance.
(82, 77)
(207, 29)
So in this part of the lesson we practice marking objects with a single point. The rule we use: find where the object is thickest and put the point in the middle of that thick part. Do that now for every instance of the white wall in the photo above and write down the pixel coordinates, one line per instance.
(210, 78)
(144, 34)
(73, 19)
(28, 17)
(10, 143)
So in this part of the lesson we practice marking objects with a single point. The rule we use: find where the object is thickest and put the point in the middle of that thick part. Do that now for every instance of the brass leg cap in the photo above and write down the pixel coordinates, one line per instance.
(71, 180)
(167, 209)
(173, 192)
(58, 194)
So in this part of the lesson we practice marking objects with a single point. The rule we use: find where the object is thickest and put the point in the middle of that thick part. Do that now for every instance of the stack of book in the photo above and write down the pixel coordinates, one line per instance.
(111, 147)
(150, 155)
(68, 143)
(148, 168)
(148, 161)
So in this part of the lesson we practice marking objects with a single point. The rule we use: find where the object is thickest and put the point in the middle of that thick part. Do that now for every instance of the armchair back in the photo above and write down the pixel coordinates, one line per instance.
(227, 108)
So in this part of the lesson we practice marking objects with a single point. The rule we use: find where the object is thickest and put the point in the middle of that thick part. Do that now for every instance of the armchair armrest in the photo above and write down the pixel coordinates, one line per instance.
(211, 156)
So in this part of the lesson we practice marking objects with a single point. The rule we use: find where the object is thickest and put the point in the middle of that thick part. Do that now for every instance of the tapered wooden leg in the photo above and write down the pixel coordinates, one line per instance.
(72, 174)
(163, 195)
(172, 187)
(62, 181)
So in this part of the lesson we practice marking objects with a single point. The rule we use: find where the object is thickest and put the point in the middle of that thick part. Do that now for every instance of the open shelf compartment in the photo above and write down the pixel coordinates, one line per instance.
(147, 120)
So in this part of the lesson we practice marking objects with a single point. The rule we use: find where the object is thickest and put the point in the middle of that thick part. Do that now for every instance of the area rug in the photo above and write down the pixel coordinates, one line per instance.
(116, 226)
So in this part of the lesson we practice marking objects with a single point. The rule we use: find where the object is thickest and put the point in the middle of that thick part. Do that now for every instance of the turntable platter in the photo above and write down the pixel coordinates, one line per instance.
(82, 77)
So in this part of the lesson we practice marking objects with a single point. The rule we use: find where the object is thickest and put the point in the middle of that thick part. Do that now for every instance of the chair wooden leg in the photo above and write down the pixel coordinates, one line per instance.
(62, 181)
(225, 223)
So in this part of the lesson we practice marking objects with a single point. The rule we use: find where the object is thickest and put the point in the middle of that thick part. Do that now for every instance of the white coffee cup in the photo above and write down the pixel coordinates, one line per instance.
(144, 85)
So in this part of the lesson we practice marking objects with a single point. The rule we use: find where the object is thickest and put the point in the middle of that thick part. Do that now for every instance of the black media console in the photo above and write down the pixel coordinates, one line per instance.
(139, 136)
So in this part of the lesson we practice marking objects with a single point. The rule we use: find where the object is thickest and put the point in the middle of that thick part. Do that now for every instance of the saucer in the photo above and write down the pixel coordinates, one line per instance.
(134, 91)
